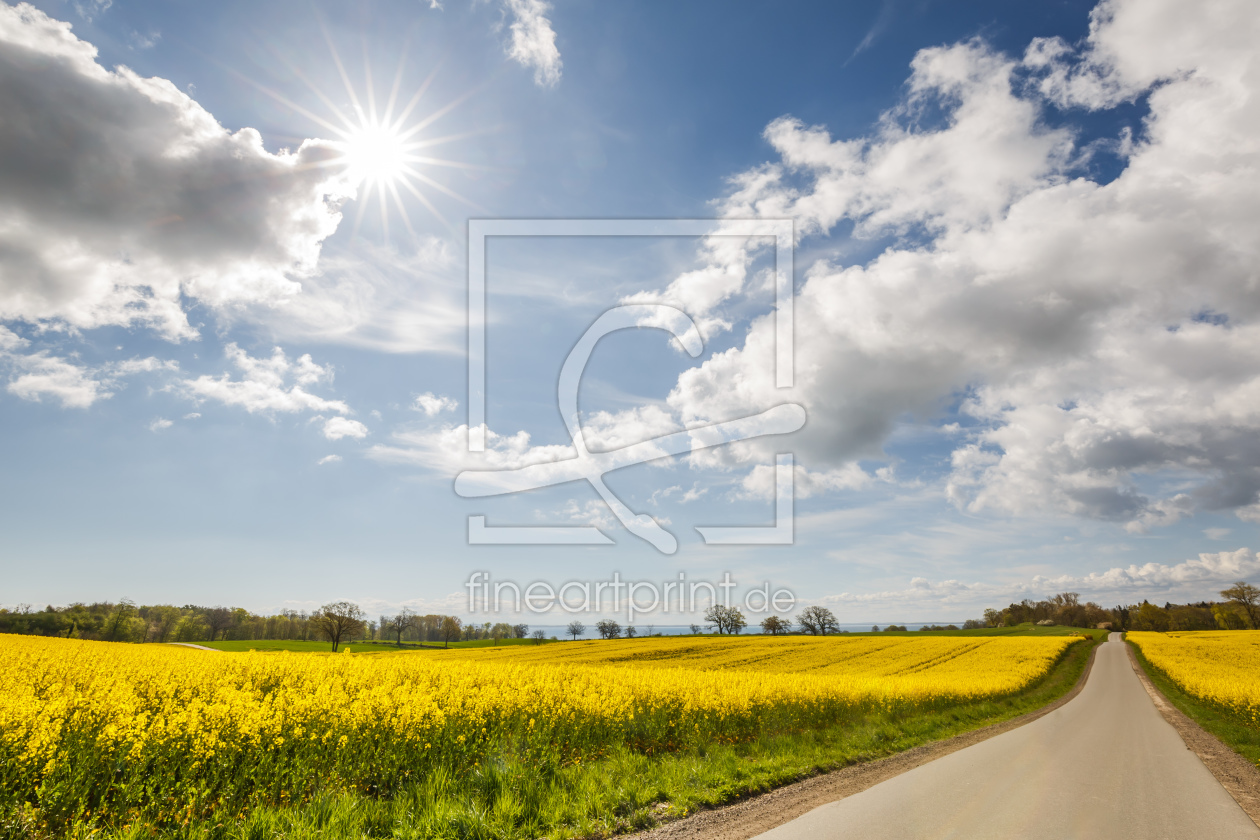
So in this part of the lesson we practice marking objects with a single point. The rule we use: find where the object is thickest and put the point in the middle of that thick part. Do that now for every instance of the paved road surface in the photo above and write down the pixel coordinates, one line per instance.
(1105, 765)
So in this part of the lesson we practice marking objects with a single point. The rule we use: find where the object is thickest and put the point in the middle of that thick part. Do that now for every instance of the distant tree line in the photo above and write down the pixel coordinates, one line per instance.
(1240, 611)
(340, 622)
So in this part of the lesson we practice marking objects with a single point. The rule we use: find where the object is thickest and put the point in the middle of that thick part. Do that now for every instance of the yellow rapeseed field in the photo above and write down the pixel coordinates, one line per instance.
(959, 667)
(173, 734)
(1220, 667)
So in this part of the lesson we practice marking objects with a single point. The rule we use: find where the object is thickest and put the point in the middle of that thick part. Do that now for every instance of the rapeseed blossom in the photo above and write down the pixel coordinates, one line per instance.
(1222, 667)
(177, 734)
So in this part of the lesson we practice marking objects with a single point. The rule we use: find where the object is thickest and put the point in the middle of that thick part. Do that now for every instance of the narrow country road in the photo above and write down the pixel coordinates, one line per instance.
(1105, 765)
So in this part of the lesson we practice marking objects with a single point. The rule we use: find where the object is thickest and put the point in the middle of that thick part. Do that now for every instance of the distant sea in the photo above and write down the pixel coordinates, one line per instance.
(645, 629)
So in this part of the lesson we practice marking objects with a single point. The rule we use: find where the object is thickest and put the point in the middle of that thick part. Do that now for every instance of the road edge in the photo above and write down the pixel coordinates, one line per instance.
(1239, 777)
(762, 812)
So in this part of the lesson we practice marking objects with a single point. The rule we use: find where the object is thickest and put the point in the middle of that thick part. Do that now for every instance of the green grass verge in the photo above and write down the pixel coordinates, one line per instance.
(508, 799)
(1236, 732)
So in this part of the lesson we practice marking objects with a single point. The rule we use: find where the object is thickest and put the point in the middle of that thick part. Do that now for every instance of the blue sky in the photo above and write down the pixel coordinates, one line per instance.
(1025, 262)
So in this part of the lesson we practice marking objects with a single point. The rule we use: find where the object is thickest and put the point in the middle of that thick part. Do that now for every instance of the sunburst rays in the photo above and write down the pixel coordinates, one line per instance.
(384, 149)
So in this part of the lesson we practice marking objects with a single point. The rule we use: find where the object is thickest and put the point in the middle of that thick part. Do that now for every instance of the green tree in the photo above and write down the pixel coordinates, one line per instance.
(218, 619)
(450, 630)
(1247, 597)
(118, 621)
(162, 621)
(1228, 617)
(1151, 617)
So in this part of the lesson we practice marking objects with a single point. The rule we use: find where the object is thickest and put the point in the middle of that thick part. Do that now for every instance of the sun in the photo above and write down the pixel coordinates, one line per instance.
(381, 149)
(376, 154)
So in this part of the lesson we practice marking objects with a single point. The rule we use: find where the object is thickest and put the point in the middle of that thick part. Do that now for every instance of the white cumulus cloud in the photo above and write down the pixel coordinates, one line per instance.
(336, 428)
(433, 405)
(533, 40)
(266, 385)
(40, 375)
(120, 195)
(1103, 339)
(34, 375)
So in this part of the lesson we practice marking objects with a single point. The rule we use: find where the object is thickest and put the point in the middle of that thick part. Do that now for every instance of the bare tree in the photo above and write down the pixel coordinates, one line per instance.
(396, 625)
(338, 621)
(218, 618)
(608, 629)
(538, 636)
(1247, 597)
(818, 621)
(631, 632)
(774, 625)
(725, 619)
(450, 630)
(575, 629)
(695, 629)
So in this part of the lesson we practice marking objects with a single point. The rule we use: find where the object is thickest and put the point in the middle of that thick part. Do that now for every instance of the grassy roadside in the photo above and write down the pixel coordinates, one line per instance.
(507, 798)
(1234, 731)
